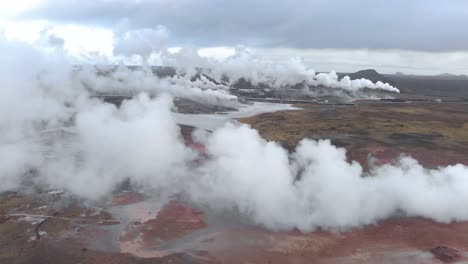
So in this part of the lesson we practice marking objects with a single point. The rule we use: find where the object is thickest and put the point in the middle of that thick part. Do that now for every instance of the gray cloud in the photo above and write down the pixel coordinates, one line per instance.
(428, 25)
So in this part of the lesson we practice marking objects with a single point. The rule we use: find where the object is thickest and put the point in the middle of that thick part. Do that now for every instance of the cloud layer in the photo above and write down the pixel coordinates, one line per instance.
(426, 25)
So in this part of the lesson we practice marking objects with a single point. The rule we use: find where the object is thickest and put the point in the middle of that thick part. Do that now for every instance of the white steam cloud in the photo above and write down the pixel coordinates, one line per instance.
(147, 149)
(103, 146)
(125, 81)
(317, 188)
(242, 65)
(199, 78)
(256, 70)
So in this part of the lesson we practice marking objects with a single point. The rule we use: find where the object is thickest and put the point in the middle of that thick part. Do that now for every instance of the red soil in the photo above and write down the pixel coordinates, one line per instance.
(127, 198)
(173, 221)
(394, 241)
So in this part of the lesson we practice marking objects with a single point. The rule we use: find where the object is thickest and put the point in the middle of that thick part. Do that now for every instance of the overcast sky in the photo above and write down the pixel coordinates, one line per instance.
(420, 36)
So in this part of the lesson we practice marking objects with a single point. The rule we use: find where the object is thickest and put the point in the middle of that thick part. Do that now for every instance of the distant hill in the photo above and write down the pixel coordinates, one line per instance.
(443, 76)
(442, 85)
(369, 74)
(449, 76)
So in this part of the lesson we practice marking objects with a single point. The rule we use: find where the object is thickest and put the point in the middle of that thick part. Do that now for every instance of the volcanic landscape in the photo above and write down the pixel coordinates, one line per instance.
(47, 224)
(243, 132)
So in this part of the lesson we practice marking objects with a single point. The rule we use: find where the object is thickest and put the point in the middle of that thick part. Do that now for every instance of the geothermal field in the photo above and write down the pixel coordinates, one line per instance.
(119, 164)
(234, 160)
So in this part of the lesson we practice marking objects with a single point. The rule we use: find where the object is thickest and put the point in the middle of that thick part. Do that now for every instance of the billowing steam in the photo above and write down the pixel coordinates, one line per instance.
(317, 187)
(53, 134)
(243, 65)
(122, 80)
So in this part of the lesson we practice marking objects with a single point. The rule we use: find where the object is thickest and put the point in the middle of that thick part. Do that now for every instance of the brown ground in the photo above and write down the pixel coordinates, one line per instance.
(435, 134)
(181, 234)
